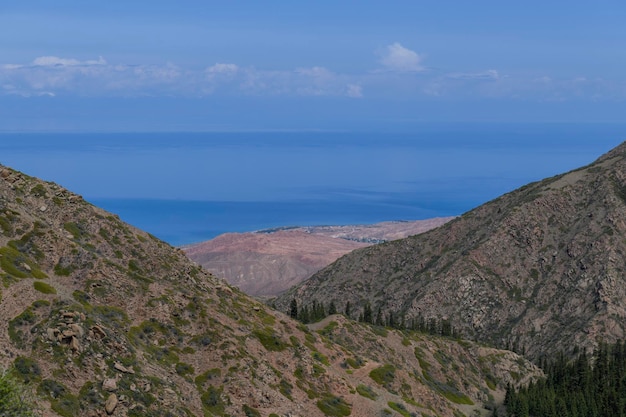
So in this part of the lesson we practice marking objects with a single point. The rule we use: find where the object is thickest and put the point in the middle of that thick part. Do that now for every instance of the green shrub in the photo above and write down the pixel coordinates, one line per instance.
(61, 399)
(212, 400)
(14, 398)
(270, 340)
(28, 317)
(76, 230)
(207, 376)
(18, 265)
(400, 408)
(355, 363)
(183, 369)
(250, 412)
(63, 270)
(334, 406)
(82, 297)
(366, 392)
(26, 369)
(383, 375)
(44, 288)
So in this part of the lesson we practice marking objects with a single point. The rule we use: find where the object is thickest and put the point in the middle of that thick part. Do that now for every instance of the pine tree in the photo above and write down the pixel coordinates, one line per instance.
(293, 309)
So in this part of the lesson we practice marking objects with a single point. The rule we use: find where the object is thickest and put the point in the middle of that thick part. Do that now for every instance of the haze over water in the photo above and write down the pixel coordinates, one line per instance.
(188, 187)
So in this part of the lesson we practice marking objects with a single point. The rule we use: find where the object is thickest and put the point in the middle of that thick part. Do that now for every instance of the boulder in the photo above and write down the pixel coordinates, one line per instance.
(110, 404)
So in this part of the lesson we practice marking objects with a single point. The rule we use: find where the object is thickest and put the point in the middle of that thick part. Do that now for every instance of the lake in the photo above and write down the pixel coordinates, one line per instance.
(189, 187)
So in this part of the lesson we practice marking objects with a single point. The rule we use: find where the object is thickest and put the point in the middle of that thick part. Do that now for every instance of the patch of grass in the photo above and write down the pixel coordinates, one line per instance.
(328, 330)
(6, 225)
(203, 340)
(320, 357)
(383, 375)
(366, 392)
(18, 265)
(356, 362)
(286, 388)
(76, 230)
(81, 297)
(184, 369)
(212, 400)
(15, 398)
(61, 399)
(63, 270)
(26, 369)
(270, 340)
(419, 355)
(250, 412)
(26, 318)
(209, 375)
(90, 395)
(334, 406)
(109, 315)
(39, 191)
(400, 408)
(44, 288)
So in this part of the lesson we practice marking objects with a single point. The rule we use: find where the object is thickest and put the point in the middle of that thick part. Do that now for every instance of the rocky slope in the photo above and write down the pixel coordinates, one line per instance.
(541, 269)
(268, 262)
(99, 318)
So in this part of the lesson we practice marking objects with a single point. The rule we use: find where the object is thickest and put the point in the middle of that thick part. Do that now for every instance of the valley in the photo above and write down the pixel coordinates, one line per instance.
(101, 318)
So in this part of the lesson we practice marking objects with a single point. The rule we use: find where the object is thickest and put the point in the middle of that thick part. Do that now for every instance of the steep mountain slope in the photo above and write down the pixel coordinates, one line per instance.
(99, 318)
(268, 262)
(540, 269)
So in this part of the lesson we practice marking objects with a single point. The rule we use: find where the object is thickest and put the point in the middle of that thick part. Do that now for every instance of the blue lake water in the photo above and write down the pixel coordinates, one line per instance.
(188, 187)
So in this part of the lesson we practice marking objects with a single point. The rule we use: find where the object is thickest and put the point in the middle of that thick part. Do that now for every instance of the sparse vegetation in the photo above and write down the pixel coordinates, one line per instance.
(383, 375)
(15, 398)
(44, 288)
(270, 340)
(366, 392)
(334, 406)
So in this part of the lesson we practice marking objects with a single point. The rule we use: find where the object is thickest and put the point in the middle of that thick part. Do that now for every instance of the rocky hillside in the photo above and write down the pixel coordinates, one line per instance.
(100, 318)
(540, 269)
(268, 262)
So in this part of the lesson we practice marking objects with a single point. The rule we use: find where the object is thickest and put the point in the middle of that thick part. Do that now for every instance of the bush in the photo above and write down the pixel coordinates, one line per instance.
(383, 375)
(14, 398)
(334, 406)
(366, 392)
(44, 288)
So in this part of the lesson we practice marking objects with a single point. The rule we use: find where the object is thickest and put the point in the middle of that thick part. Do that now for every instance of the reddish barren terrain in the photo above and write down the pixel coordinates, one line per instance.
(266, 263)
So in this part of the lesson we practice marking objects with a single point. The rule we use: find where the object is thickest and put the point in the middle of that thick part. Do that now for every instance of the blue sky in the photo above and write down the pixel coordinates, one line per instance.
(248, 65)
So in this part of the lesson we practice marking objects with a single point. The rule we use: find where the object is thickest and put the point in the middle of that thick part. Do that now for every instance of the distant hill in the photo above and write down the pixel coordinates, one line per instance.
(99, 318)
(267, 262)
(540, 269)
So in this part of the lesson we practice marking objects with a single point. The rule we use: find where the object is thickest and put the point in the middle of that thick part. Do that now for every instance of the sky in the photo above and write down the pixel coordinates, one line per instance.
(197, 65)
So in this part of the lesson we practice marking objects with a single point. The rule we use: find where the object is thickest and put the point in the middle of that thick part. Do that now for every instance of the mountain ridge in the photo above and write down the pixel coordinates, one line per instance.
(538, 269)
(100, 318)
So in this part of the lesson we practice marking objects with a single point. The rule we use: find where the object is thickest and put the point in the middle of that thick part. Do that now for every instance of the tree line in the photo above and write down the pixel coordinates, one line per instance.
(316, 311)
(590, 385)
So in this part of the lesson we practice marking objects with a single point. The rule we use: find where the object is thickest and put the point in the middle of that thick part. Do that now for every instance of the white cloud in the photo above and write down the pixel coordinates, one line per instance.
(354, 91)
(67, 76)
(401, 59)
(49, 61)
(484, 75)
(316, 72)
(220, 68)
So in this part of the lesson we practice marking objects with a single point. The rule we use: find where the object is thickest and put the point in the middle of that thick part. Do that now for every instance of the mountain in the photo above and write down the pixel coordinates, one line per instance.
(540, 269)
(100, 318)
(268, 262)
